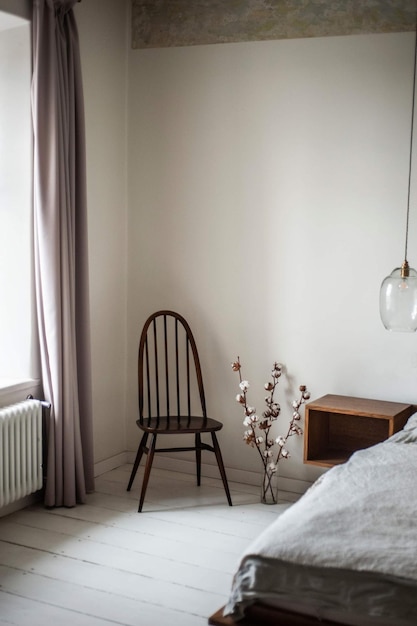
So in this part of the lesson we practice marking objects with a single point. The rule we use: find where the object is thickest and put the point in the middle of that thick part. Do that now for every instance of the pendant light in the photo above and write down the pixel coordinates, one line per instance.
(398, 295)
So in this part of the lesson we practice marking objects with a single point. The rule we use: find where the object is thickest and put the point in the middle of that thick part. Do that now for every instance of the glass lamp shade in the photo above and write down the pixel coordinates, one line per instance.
(398, 300)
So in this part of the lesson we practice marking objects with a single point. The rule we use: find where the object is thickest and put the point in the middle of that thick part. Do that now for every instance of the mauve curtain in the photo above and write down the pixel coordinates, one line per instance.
(60, 247)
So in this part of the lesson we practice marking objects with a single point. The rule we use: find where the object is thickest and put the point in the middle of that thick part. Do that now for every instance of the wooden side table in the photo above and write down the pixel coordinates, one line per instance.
(337, 426)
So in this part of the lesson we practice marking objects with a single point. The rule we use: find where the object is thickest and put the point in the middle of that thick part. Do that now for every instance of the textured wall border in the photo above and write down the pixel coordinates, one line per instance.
(165, 23)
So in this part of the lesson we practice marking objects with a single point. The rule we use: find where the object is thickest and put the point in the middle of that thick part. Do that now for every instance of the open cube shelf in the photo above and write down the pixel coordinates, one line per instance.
(337, 426)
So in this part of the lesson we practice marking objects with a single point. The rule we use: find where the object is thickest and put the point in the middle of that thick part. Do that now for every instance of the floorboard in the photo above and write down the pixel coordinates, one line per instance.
(104, 563)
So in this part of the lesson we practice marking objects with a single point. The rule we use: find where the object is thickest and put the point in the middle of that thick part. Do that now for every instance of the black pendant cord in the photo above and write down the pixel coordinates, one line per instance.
(411, 147)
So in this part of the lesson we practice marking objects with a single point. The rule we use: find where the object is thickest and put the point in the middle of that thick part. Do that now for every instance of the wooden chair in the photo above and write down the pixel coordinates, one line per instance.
(171, 394)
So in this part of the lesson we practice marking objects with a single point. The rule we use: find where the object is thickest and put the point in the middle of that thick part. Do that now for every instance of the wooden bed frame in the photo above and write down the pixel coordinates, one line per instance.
(261, 615)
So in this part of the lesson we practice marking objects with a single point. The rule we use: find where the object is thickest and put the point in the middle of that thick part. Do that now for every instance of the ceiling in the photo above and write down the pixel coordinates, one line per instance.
(163, 23)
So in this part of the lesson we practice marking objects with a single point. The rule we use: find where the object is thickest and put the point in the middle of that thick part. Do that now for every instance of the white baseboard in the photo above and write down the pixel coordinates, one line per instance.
(173, 464)
(109, 464)
(99, 468)
(20, 504)
(246, 477)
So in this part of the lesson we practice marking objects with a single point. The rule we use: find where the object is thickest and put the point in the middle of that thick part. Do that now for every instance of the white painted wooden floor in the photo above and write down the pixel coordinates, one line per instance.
(103, 563)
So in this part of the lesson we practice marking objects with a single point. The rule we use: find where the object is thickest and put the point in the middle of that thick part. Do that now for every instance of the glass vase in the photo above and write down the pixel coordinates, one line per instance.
(269, 487)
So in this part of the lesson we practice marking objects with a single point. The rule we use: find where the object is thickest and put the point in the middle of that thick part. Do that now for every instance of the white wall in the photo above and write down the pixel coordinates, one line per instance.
(267, 199)
(21, 8)
(102, 28)
(267, 196)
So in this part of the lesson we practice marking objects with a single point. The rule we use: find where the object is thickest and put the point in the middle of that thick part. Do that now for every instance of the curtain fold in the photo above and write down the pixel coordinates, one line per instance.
(60, 248)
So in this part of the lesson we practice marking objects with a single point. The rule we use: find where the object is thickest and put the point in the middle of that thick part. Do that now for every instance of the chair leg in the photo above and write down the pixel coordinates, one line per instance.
(221, 467)
(139, 455)
(198, 457)
(149, 461)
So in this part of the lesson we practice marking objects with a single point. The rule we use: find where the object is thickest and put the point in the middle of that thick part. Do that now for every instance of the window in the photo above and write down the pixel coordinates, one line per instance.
(17, 314)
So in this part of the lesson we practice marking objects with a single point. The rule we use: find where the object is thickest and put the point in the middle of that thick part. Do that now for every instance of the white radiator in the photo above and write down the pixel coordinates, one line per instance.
(21, 450)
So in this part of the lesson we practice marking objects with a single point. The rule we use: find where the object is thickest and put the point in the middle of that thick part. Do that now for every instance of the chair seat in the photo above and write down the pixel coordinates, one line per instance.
(174, 424)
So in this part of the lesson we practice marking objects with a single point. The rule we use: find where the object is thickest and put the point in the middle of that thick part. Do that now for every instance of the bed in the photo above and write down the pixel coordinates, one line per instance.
(345, 553)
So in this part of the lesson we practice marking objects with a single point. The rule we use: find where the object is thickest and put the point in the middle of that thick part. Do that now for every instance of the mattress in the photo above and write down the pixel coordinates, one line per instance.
(347, 550)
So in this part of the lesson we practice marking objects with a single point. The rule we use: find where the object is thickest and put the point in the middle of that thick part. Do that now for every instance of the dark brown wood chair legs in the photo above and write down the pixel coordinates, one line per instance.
(221, 467)
(139, 454)
(198, 457)
(148, 466)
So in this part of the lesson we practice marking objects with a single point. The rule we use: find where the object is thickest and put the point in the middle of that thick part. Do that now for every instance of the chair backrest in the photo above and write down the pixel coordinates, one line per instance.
(170, 382)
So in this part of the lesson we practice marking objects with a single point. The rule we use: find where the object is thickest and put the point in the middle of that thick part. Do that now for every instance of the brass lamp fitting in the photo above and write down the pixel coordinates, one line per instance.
(405, 269)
